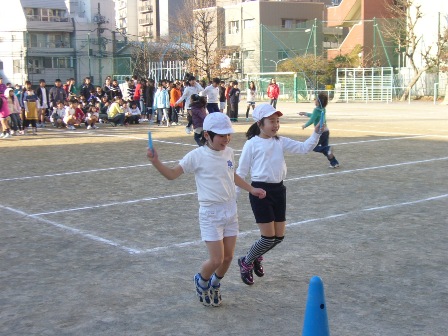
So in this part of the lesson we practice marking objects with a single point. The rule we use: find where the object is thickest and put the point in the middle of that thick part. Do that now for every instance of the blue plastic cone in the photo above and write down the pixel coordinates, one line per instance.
(316, 320)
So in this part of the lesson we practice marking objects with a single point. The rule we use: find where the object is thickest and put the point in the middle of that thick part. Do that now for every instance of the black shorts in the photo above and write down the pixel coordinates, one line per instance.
(273, 206)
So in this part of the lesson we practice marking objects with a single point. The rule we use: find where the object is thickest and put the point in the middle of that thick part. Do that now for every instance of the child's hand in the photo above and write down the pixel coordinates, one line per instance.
(302, 113)
(152, 154)
(303, 126)
(260, 193)
(318, 129)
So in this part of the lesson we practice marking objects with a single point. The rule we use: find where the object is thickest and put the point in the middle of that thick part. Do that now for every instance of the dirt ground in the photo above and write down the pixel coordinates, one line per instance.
(93, 241)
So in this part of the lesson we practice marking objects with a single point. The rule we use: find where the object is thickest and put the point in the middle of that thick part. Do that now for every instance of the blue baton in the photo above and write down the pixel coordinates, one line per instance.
(149, 140)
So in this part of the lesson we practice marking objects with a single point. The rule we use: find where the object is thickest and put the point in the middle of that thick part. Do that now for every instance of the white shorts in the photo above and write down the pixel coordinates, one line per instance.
(218, 221)
(222, 105)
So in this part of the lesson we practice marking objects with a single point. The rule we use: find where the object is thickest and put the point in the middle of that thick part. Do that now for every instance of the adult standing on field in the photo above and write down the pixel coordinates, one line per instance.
(273, 92)
(57, 93)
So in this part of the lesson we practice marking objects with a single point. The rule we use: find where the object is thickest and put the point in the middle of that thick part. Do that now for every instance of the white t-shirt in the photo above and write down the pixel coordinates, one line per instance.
(212, 94)
(44, 102)
(124, 89)
(188, 91)
(213, 172)
(135, 111)
(69, 112)
(265, 160)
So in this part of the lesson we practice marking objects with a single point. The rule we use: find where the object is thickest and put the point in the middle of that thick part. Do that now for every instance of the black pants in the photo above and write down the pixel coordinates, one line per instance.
(198, 137)
(322, 145)
(118, 119)
(133, 119)
(234, 112)
(174, 114)
(189, 118)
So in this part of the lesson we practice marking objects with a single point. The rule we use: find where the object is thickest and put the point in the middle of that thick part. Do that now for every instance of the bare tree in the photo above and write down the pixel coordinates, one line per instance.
(200, 37)
(402, 31)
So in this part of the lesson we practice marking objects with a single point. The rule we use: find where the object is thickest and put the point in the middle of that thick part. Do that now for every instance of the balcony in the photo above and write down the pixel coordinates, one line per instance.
(145, 22)
(145, 9)
(46, 18)
(146, 34)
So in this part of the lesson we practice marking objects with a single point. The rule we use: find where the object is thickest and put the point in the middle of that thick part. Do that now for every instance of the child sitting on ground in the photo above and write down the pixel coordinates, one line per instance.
(57, 117)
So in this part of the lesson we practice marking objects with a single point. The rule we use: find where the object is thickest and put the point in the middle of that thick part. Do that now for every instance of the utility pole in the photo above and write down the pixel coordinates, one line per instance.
(88, 53)
(100, 20)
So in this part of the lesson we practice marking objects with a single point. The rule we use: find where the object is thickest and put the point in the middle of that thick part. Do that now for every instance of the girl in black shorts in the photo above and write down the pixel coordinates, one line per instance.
(263, 157)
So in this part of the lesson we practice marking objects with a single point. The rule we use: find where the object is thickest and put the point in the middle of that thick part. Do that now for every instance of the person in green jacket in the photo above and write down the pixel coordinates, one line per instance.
(318, 113)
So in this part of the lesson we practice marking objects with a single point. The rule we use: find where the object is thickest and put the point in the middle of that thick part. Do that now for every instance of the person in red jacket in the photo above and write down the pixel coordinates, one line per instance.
(273, 92)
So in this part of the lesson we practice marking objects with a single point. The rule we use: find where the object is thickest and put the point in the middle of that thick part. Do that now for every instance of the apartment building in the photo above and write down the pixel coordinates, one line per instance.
(267, 32)
(363, 20)
(147, 20)
(49, 39)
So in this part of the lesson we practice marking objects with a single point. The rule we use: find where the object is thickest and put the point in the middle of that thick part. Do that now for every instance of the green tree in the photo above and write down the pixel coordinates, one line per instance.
(317, 70)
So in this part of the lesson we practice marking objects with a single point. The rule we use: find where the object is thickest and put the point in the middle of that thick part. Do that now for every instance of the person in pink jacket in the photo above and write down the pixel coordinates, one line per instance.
(273, 92)
(15, 110)
(4, 113)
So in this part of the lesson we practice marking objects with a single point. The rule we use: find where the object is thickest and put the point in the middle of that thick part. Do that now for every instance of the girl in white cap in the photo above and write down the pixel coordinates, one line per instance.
(214, 168)
(263, 157)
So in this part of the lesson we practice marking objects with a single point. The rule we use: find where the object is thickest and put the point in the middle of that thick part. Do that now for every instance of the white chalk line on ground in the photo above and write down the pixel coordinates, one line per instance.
(78, 172)
(149, 164)
(377, 132)
(368, 168)
(74, 230)
(286, 180)
(113, 203)
(131, 250)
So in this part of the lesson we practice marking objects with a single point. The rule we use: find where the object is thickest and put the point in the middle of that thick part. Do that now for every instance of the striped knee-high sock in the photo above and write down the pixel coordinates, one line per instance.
(277, 241)
(260, 247)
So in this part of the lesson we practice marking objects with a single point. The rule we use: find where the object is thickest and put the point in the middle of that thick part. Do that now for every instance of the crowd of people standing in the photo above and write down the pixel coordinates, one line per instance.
(32, 106)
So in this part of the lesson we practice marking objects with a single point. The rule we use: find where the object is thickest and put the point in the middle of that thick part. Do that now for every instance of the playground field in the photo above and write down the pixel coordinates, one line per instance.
(95, 242)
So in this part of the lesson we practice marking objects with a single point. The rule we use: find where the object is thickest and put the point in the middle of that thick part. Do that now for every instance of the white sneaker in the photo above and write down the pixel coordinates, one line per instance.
(187, 130)
(89, 127)
(2, 135)
(6, 136)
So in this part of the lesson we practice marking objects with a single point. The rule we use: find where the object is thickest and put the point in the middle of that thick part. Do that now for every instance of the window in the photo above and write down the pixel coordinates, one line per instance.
(234, 27)
(33, 41)
(58, 62)
(61, 63)
(40, 40)
(287, 23)
(293, 23)
(48, 62)
(248, 24)
(248, 54)
(45, 14)
(16, 66)
(32, 14)
(33, 65)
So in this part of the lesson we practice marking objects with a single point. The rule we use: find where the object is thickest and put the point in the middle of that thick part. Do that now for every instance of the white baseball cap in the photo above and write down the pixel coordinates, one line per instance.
(218, 122)
(263, 111)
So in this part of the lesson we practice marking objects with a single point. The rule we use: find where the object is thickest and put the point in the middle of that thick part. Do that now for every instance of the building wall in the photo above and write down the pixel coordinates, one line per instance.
(12, 37)
(35, 44)
(266, 40)
(435, 11)
(127, 18)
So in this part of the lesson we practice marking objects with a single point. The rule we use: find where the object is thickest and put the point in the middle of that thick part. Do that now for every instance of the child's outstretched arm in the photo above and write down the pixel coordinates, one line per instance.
(167, 172)
(239, 182)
